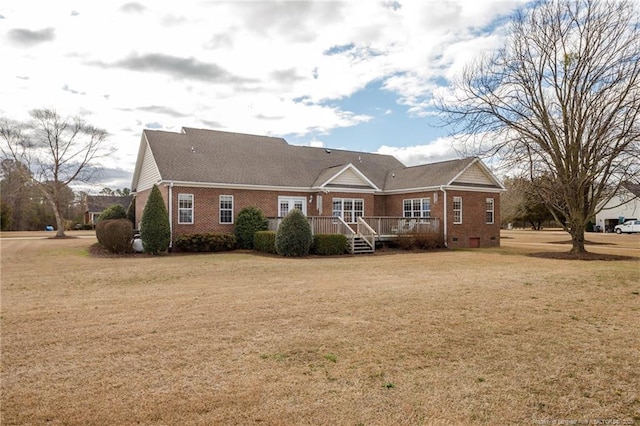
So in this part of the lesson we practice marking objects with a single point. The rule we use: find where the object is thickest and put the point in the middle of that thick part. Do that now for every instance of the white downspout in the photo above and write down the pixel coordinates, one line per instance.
(171, 213)
(446, 239)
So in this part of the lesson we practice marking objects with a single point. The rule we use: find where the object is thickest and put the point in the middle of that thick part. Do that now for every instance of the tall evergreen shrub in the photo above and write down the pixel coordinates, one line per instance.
(249, 221)
(155, 230)
(294, 236)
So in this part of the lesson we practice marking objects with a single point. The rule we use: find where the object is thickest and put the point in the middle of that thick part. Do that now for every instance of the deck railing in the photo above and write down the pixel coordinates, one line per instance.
(386, 226)
(322, 225)
(381, 226)
(366, 232)
(319, 225)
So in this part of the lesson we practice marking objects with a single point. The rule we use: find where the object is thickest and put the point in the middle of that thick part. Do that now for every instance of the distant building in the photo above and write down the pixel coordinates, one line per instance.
(624, 205)
(96, 204)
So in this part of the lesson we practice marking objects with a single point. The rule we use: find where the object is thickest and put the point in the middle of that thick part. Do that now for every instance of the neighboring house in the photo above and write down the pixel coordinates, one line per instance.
(624, 205)
(96, 204)
(206, 177)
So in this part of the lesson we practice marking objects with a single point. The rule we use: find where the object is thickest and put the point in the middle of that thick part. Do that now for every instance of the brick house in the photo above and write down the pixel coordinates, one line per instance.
(96, 204)
(206, 177)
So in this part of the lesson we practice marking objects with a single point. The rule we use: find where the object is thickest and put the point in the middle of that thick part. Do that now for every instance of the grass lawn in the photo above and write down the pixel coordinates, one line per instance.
(489, 336)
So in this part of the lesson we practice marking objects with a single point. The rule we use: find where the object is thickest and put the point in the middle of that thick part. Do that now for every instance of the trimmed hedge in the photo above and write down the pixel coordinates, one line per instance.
(294, 236)
(329, 244)
(265, 241)
(115, 235)
(206, 242)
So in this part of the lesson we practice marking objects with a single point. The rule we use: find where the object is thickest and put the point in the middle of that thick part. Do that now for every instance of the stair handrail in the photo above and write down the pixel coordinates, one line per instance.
(370, 235)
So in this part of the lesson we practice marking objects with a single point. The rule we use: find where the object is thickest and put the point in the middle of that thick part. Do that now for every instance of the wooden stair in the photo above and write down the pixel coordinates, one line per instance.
(360, 246)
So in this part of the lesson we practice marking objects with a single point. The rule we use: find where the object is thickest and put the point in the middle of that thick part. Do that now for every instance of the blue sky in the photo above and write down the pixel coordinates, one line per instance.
(357, 75)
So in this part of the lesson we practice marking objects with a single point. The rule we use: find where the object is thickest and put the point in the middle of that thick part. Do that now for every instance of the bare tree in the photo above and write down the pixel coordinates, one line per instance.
(561, 100)
(56, 151)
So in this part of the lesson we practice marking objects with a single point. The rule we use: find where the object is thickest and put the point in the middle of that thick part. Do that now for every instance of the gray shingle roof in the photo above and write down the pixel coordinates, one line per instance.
(98, 203)
(434, 174)
(217, 157)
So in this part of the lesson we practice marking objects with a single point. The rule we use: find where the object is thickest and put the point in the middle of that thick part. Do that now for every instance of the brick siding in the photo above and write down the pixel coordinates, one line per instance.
(206, 212)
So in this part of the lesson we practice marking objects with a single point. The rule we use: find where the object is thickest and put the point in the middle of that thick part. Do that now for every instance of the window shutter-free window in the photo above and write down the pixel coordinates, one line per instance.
(490, 210)
(457, 210)
(185, 208)
(416, 207)
(226, 209)
(349, 209)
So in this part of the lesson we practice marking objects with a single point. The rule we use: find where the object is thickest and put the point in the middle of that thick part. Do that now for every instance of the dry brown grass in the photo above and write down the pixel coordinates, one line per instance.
(461, 337)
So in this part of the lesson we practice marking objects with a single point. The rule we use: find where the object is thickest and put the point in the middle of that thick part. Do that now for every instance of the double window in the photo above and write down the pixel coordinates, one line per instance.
(185, 208)
(490, 210)
(457, 210)
(417, 207)
(226, 209)
(349, 209)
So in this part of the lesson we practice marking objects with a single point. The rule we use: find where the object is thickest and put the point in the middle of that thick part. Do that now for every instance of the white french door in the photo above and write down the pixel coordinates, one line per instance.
(286, 204)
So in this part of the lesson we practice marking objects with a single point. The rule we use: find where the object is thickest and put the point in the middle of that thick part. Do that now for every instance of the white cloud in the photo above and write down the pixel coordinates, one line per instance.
(242, 66)
(441, 149)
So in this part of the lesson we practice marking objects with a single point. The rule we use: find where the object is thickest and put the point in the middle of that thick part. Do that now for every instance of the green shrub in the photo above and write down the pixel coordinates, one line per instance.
(249, 221)
(115, 235)
(265, 241)
(155, 231)
(206, 242)
(421, 241)
(115, 211)
(294, 235)
(329, 244)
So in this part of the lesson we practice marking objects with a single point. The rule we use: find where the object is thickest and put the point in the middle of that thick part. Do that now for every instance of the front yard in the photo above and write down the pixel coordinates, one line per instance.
(448, 337)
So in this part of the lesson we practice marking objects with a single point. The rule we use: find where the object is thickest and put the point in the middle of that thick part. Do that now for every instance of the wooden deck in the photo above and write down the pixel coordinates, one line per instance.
(371, 229)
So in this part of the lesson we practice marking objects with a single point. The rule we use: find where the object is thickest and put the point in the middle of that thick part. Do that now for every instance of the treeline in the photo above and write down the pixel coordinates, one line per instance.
(23, 207)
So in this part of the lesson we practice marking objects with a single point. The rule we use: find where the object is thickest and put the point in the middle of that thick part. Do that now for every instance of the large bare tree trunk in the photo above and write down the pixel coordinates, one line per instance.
(55, 152)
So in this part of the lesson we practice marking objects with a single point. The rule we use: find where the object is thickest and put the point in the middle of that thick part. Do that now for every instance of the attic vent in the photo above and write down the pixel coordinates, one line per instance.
(327, 150)
(193, 150)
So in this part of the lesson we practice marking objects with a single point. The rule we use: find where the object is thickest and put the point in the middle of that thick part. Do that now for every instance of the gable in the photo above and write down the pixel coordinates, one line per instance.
(346, 176)
(149, 173)
(474, 175)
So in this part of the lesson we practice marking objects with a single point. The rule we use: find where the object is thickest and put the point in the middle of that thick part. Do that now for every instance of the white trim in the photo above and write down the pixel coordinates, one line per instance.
(240, 186)
(419, 199)
(445, 220)
(171, 214)
(303, 200)
(353, 168)
(220, 222)
(453, 207)
(493, 210)
(354, 218)
(192, 208)
(325, 190)
(443, 188)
